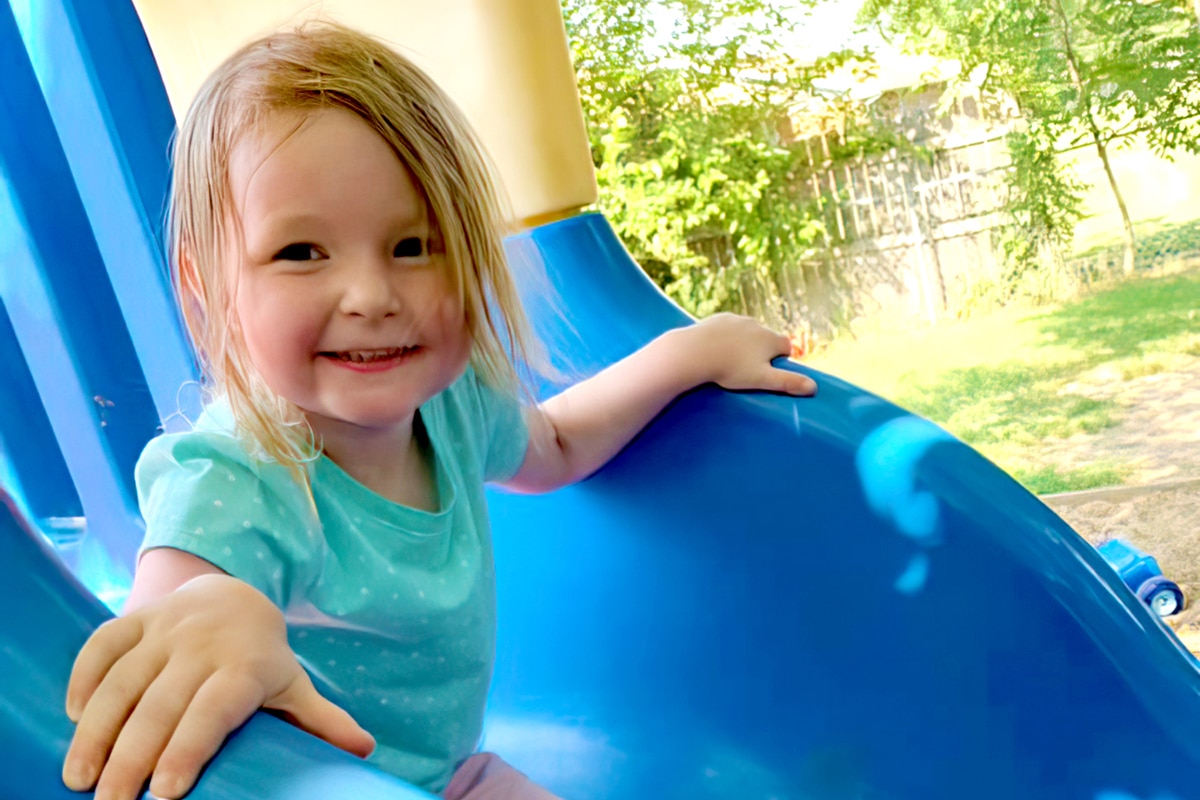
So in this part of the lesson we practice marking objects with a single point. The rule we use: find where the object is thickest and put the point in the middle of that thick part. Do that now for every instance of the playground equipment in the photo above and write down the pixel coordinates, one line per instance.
(760, 597)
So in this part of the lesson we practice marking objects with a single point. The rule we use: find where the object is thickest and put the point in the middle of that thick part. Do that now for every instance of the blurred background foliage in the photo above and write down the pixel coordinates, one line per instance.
(685, 100)
(731, 169)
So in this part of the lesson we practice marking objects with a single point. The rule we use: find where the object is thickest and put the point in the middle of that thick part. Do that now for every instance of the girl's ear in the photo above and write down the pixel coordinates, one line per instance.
(189, 288)
(187, 281)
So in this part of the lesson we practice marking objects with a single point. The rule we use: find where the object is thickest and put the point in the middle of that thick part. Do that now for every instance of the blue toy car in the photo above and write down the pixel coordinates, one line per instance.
(1141, 573)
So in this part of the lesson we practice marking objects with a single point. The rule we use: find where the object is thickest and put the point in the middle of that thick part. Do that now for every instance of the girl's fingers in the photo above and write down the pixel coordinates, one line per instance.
(794, 383)
(305, 708)
(219, 706)
(784, 345)
(771, 379)
(107, 645)
(147, 731)
(105, 713)
(223, 703)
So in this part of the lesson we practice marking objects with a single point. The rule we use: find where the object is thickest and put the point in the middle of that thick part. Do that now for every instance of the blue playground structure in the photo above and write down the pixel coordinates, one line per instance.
(761, 597)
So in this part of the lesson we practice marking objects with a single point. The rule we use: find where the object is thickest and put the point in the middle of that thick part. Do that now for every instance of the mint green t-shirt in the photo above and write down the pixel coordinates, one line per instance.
(390, 608)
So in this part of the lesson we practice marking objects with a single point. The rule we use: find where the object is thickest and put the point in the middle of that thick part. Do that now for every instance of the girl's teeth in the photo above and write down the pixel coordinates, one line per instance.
(367, 356)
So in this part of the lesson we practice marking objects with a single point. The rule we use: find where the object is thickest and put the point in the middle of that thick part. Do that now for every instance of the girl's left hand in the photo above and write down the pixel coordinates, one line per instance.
(735, 352)
(576, 432)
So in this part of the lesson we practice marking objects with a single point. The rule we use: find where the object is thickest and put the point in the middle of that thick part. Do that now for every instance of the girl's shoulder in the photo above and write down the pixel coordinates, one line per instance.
(213, 434)
(210, 449)
(203, 491)
(470, 394)
(483, 424)
(468, 405)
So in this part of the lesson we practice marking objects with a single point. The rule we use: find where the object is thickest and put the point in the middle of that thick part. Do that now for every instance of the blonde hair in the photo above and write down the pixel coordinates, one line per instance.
(319, 66)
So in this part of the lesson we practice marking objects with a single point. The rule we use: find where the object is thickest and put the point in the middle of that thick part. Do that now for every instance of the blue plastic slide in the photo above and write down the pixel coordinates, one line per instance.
(761, 597)
(47, 617)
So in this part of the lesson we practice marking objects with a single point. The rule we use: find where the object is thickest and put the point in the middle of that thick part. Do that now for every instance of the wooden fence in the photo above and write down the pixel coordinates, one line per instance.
(906, 236)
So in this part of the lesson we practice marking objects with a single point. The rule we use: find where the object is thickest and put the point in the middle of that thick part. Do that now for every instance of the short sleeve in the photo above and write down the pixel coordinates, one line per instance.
(507, 434)
(200, 492)
(483, 426)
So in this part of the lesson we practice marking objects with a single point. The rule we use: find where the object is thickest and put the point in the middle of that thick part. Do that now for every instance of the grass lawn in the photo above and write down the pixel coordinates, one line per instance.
(1004, 382)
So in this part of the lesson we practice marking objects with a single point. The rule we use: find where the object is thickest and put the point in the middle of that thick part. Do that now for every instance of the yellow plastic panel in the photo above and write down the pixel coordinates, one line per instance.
(505, 62)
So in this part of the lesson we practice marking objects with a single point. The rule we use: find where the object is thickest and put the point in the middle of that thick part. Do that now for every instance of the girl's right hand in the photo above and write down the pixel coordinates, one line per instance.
(156, 692)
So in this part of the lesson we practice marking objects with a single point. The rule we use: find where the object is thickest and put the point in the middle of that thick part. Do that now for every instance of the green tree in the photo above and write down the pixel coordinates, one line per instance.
(686, 102)
(1095, 71)
(1043, 204)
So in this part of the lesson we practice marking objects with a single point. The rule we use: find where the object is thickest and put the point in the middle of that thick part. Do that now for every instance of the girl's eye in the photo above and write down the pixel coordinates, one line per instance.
(298, 252)
(409, 248)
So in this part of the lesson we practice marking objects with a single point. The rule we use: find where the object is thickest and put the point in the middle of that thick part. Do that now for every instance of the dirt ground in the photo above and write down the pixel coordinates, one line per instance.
(1158, 509)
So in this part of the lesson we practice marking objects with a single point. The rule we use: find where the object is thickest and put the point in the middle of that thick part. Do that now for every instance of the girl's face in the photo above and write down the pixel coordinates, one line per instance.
(341, 286)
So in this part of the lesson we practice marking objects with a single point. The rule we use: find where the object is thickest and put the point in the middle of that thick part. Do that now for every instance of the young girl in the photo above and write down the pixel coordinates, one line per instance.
(338, 258)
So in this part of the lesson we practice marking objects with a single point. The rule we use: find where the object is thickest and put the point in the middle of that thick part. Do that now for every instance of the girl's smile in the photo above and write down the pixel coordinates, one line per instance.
(371, 360)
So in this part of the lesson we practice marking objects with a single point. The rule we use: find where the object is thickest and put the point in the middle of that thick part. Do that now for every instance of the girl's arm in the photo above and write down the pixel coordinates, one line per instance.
(158, 689)
(161, 571)
(575, 433)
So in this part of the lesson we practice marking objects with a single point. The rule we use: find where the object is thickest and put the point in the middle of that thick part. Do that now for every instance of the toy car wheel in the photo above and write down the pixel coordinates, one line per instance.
(1162, 595)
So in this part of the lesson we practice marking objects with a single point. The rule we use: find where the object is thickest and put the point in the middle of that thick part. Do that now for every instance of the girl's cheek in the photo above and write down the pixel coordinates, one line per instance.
(440, 296)
(454, 317)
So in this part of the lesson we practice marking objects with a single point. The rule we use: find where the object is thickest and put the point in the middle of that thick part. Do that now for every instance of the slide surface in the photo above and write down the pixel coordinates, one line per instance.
(774, 597)
(761, 597)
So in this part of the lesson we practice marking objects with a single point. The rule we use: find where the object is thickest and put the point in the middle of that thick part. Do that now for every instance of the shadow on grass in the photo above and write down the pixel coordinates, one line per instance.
(1008, 403)
(1126, 320)
(1052, 480)
(1020, 404)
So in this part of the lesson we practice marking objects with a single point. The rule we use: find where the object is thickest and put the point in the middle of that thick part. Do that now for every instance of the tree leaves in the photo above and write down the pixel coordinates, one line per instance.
(685, 101)
(1079, 71)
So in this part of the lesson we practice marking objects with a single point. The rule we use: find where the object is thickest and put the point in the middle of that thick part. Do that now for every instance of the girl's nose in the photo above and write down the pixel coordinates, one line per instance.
(367, 290)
